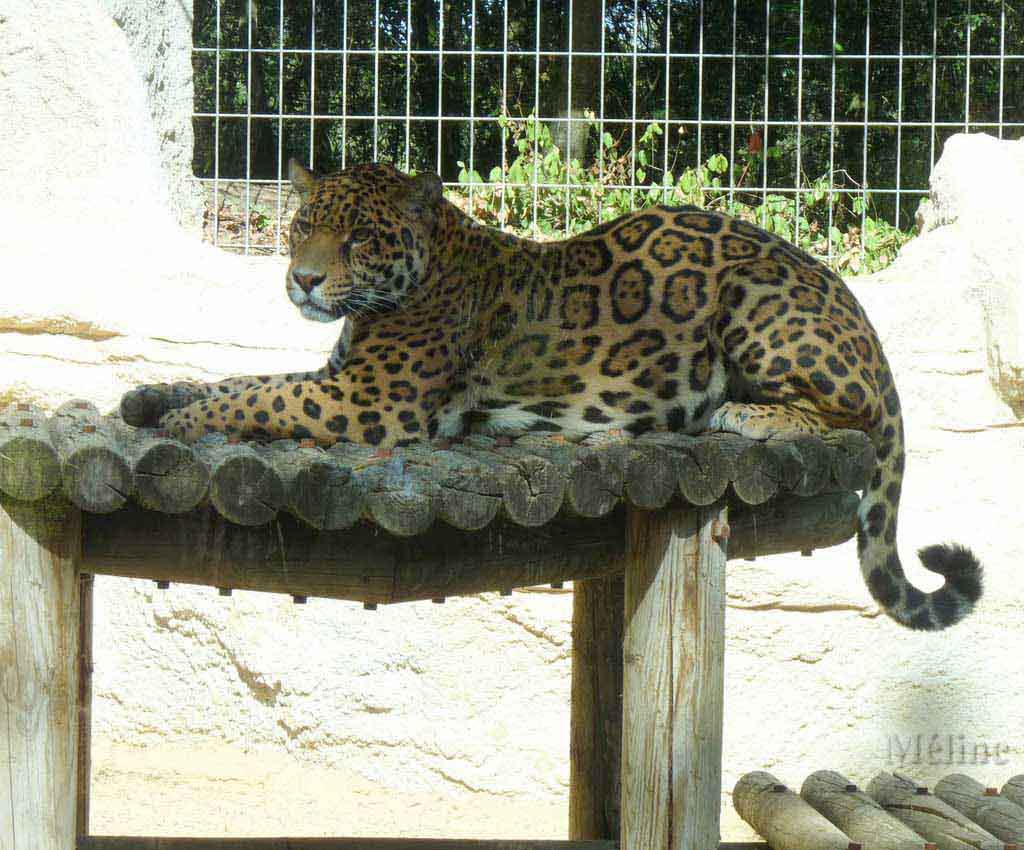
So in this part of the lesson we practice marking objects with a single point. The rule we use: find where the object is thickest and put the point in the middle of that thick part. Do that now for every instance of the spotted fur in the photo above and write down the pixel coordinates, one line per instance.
(673, 318)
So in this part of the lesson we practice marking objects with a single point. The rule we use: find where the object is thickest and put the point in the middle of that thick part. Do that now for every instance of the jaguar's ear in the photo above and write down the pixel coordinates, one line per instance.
(425, 193)
(301, 178)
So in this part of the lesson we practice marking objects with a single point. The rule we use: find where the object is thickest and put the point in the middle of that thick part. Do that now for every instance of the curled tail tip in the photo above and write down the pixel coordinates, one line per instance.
(915, 609)
(952, 602)
(960, 567)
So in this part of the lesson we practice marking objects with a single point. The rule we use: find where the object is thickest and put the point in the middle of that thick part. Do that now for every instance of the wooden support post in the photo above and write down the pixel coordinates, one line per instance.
(39, 553)
(673, 656)
(595, 741)
(84, 702)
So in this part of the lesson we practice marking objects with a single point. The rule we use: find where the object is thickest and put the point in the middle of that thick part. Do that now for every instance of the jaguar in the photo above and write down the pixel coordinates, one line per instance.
(669, 317)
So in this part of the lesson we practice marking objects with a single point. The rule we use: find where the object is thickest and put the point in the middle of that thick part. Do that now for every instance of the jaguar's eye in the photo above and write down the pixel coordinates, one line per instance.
(360, 236)
(300, 229)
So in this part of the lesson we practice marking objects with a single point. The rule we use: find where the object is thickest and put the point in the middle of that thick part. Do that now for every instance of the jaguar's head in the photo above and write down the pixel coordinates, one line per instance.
(362, 239)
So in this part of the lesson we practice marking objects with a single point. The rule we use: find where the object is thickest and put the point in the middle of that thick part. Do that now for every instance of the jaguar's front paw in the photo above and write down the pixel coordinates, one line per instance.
(144, 406)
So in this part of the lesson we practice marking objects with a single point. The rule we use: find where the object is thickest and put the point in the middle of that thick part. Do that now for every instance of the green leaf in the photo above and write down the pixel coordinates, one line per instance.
(718, 164)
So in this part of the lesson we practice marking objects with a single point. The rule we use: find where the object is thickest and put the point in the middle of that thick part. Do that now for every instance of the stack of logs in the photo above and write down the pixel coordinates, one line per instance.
(896, 813)
(99, 463)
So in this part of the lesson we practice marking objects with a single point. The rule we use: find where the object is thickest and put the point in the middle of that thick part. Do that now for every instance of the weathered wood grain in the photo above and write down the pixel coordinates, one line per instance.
(858, 816)
(756, 468)
(95, 474)
(167, 476)
(702, 469)
(100, 461)
(986, 807)
(360, 564)
(784, 819)
(29, 466)
(244, 487)
(533, 487)
(39, 611)
(84, 718)
(595, 737)
(673, 651)
(105, 842)
(1013, 790)
(792, 524)
(930, 817)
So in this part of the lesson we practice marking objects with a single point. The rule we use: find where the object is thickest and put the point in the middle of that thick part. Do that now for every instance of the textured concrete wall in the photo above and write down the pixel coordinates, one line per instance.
(249, 715)
(159, 38)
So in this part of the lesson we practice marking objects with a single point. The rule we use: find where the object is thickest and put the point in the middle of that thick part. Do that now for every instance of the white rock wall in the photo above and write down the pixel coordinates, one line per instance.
(249, 715)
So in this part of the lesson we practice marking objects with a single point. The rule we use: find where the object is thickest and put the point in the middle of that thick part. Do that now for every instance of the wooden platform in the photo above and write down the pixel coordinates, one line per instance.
(644, 528)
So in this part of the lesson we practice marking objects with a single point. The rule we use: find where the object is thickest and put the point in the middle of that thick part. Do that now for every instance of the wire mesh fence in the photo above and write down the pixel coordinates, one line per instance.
(819, 119)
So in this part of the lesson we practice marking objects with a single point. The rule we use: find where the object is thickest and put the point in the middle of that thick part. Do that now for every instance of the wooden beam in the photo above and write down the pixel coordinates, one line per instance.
(109, 842)
(674, 649)
(363, 565)
(39, 585)
(595, 738)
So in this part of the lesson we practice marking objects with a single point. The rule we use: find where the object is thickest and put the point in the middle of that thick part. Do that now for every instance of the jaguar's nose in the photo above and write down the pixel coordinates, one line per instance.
(308, 282)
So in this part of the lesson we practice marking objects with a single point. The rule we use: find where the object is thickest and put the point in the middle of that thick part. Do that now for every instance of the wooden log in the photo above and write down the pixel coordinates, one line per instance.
(39, 611)
(533, 487)
(782, 818)
(318, 489)
(29, 466)
(853, 459)
(986, 807)
(930, 817)
(84, 719)
(326, 493)
(166, 474)
(673, 656)
(1013, 790)
(757, 467)
(858, 816)
(95, 474)
(595, 737)
(651, 475)
(593, 473)
(244, 487)
(809, 471)
(401, 497)
(109, 842)
(702, 470)
(469, 492)
(596, 480)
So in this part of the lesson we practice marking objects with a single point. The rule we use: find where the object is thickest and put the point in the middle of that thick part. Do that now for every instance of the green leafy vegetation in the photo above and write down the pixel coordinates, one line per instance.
(833, 220)
(745, 108)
